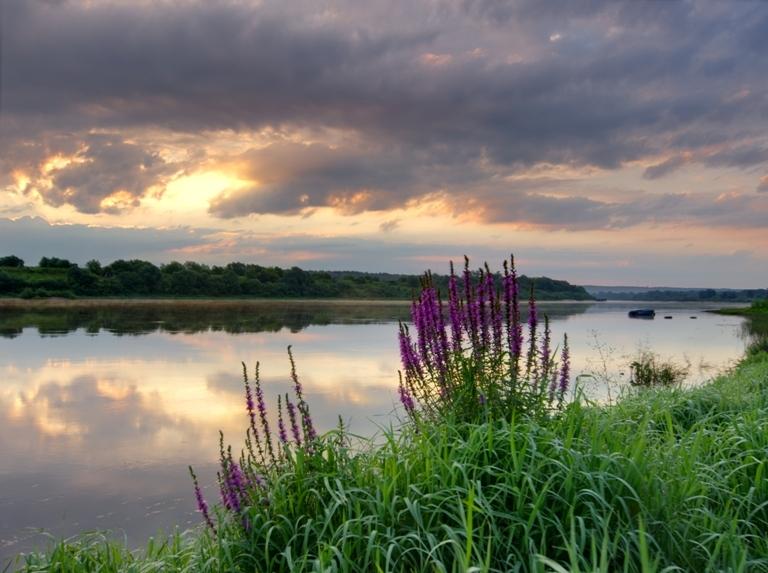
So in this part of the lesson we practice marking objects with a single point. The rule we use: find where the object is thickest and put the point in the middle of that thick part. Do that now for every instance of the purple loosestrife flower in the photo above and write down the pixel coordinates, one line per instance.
(533, 316)
(420, 323)
(251, 409)
(545, 350)
(493, 319)
(262, 407)
(508, 286)
(482, 311)
(292, 417)
(471, 316)
(435, 330)
(407, 353)
(565, 369)
(498, 325)
(406, 399)
(454, 309)
(533, 321)
(233, 484)
(298, 390)
(223, 490)
(441, 334)
(306, 421)
(249, 404)
(202, 506)
(281, 433)
(514, 328)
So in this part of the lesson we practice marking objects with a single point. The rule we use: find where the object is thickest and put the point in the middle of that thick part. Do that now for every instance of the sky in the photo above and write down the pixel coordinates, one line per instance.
(600, 142)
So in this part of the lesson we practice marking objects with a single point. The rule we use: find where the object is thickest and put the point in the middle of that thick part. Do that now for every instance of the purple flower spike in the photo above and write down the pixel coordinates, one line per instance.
(483, 295)
(406, 399)
(281, 433)
(565, 369)
(293, 419)
(533, 315)
(249, 404)
(470, 308)
(202, 506)
(511, 296)
(262, 407)
(454, 310)
(545, 349)
(309, 427)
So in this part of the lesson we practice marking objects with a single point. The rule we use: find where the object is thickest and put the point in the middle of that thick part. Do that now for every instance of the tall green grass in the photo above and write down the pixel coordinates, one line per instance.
(667, 480)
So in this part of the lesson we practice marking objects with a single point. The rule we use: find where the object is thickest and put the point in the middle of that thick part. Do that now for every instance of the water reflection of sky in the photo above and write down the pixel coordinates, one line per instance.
(96, 430)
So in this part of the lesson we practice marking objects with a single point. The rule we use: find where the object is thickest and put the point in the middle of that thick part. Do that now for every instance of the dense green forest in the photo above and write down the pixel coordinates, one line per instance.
(54, 277)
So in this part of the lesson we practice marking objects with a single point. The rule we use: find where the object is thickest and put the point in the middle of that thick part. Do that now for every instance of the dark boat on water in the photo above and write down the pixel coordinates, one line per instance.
(642, 313)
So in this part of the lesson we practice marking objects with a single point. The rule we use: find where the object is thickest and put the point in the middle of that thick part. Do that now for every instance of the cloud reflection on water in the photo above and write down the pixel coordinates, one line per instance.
(96, 431)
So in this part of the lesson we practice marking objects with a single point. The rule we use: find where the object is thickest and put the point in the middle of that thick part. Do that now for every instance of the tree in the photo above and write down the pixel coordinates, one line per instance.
(11, 261)
(54, 263)
(94, 266)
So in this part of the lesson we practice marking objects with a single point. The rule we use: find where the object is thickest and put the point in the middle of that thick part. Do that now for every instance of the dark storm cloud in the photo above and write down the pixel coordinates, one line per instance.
(584, 83)
(105, 166)
(741, 156)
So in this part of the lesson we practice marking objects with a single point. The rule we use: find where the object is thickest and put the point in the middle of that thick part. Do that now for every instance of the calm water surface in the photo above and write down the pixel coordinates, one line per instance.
(101, 409)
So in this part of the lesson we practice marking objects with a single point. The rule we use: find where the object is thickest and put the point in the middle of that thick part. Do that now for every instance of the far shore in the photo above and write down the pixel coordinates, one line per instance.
(60, 302)
(740, 311)
(57, 302)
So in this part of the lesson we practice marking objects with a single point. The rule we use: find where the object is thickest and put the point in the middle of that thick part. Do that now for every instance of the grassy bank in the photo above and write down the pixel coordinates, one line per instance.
(668, 480)
(757, 308)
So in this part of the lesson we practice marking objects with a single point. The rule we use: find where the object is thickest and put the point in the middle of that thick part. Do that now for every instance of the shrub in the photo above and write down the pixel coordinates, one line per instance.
(649, 371)
(11, 261)
(477, 364)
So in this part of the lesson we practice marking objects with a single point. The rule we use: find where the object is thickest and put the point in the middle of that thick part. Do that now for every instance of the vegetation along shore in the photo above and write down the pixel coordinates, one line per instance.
(55, 277)
(758, 308)
(496, 465)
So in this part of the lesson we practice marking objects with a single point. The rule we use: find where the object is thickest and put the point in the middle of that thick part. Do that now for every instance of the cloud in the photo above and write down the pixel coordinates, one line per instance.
(190, 66)
(763, 185)
(33, 238)
(665, 167)
(369, 107)
(389, 226)
(294, 176)
(108, 175)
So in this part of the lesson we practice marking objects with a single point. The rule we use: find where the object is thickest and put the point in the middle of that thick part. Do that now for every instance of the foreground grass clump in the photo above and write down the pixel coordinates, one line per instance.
(667, 480)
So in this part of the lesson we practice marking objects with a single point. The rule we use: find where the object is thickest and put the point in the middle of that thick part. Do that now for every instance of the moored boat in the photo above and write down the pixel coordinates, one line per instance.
(642, 313)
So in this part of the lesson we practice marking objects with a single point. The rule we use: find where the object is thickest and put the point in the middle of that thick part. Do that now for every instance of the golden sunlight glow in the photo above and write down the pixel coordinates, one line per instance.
(194, 192)
(20, 180)
(118, 201)
(56, 162)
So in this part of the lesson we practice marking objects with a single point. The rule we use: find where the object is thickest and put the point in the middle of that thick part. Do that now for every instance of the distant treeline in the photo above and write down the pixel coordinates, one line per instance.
(55, 277)
(703, 295)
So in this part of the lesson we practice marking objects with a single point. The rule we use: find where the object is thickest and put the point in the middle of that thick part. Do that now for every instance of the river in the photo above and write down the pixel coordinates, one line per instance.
(102, 407)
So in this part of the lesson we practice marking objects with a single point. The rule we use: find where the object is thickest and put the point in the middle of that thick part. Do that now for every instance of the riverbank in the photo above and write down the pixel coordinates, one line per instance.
(756, 309)
(666, 478)
(191, 302)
